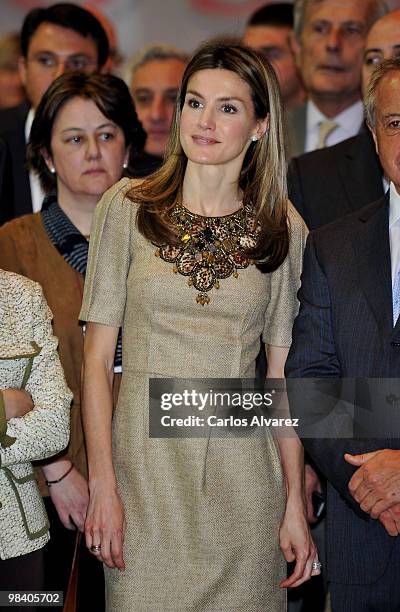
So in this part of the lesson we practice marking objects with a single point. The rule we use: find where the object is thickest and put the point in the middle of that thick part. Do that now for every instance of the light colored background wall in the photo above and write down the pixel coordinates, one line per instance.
(184, 23)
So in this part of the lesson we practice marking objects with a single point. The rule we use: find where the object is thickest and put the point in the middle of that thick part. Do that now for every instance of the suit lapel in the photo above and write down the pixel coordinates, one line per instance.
(372, 252)
(295, 131)
(361, 172)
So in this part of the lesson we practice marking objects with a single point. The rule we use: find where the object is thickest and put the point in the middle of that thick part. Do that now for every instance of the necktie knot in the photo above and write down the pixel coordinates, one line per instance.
(326, 128)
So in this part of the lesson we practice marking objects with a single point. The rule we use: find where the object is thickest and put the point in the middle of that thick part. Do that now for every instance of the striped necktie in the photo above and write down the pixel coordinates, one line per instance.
(396, 298)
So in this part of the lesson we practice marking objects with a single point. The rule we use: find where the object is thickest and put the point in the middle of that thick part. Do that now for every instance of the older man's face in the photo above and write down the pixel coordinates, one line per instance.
(387, 126)
(331, 48)
(383, 43)
(154, 89)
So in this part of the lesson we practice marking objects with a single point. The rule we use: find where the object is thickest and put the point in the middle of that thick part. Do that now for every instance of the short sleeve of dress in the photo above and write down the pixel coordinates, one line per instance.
(109, 257)
(285, 282)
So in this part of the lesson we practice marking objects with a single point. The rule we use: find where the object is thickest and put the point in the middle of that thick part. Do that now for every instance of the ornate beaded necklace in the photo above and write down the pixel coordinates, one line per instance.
(209, 248)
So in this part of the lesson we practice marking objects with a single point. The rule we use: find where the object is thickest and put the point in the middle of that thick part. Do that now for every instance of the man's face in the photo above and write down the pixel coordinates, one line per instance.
(387, 126)
(274, 43)
(154, 89)
(383, 43)
(331, 49)
(52, 51)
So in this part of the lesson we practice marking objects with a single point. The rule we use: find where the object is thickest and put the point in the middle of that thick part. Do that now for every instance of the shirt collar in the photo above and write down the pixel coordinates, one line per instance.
(28, 123)
(394, 207)
(346, 119)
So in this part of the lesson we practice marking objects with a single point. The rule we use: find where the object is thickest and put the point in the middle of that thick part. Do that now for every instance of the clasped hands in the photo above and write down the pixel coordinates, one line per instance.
(376, 486)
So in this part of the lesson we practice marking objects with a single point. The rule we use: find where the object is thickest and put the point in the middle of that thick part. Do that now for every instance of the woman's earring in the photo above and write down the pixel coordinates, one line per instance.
(254, 139)
(52, 170)
(125, 165)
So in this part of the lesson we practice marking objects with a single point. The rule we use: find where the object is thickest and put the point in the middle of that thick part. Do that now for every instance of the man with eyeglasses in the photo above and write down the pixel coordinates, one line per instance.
(352, 174)
(56, 39)
(269, 31)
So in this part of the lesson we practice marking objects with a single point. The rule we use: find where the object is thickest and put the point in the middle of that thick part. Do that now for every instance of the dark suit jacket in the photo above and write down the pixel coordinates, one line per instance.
(344, 329)
(6, 208)
(17, 199)
(327, 184)
(295, 121)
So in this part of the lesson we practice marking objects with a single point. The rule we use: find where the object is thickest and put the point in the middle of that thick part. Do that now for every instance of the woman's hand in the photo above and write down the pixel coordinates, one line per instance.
(105, 525)
(70, 496)
(297, 545)
(17, 402)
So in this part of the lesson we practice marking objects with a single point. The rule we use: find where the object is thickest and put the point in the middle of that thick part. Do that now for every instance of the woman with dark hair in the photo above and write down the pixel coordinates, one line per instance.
(79, 143)
(196, 524)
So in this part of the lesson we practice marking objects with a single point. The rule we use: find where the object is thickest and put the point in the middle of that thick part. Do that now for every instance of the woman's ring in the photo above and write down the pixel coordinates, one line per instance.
(95, 548)
(316, 565)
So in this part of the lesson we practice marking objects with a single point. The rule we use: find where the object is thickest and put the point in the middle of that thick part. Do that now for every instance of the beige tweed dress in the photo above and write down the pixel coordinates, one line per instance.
(202, 514)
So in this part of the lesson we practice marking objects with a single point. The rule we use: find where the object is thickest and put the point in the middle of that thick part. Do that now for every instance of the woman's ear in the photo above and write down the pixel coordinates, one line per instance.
(48, 160)
(262, 127)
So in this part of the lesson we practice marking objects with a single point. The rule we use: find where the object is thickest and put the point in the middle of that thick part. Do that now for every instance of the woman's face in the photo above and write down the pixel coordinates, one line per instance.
(217, 121)
(88, 150)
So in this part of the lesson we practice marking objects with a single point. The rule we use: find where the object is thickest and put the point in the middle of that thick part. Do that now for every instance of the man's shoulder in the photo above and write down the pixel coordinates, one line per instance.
(295, 130)
(14, 118)
(342, 229)
(297, 113)
(320, 157)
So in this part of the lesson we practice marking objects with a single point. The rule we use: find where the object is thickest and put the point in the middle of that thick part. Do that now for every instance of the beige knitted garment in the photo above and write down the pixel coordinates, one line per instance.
(29, 359)
(202, 515)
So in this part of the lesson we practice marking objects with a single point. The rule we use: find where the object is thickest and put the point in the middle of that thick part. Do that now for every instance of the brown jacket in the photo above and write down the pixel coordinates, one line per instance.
(25, 248)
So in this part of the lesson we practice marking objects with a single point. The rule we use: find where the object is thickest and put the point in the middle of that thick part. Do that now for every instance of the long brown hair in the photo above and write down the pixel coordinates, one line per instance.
(263, 174)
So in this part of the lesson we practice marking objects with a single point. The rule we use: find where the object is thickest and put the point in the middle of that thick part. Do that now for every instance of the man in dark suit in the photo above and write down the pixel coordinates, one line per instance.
(349, 327)
(329, 44)
(53, 40)
(329, 183)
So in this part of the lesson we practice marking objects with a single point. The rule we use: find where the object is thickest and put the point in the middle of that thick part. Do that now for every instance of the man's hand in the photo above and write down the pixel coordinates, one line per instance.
(390, 519)
(311, 484)
(17, 402)
(376, 484)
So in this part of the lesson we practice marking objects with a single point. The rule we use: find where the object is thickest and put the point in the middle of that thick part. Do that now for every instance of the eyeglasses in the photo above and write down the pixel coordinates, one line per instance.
(47, 61)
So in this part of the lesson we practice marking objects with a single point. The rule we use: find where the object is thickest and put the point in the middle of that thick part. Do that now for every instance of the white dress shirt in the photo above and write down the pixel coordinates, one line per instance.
(349, 123)
(37, 193)
(394, 230)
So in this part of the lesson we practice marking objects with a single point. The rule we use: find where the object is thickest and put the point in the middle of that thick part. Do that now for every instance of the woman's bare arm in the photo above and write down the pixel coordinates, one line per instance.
(105, 518)
(295, 539)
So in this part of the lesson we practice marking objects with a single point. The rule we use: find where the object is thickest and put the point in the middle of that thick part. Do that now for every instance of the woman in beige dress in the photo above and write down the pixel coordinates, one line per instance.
(196, 524)
(80, 141)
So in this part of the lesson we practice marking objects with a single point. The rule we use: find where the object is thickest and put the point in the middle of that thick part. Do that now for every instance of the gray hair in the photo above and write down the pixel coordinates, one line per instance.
(378, 9)
(370, 97)
(159, 52)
